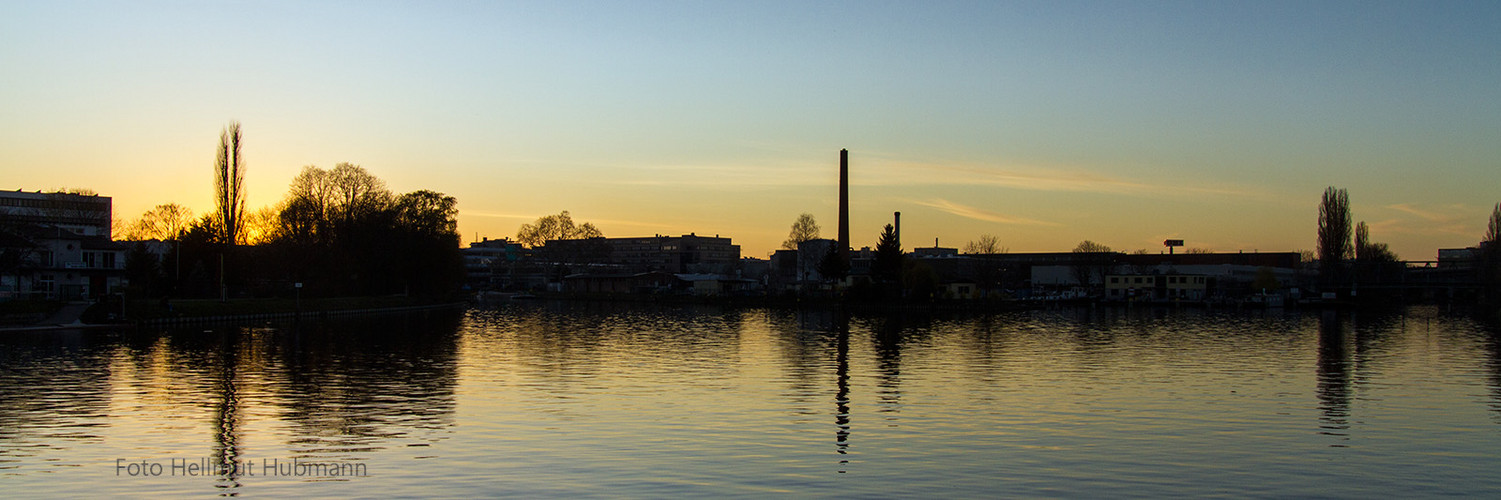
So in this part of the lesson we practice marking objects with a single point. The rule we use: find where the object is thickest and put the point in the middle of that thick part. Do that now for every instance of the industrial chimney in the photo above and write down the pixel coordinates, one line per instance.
(898, 229)
(844, 204)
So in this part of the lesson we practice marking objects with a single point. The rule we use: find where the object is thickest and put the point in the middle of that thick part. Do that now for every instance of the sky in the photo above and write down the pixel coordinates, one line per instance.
(1042, 123)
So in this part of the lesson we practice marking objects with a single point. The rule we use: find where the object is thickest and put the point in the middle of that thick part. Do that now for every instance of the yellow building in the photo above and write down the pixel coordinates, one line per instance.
(1157, 287)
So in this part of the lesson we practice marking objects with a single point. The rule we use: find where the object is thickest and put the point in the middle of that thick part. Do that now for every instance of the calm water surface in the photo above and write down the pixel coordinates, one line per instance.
(605, 400)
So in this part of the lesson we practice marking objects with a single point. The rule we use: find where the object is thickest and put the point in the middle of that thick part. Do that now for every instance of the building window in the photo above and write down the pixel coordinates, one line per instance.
(109, 260)
(89, 259)
(45, 283)
(1114, 280)
(46, 258)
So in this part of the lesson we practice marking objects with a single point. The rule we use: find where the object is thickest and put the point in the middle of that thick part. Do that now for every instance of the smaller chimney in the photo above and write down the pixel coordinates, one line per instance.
(898, 229)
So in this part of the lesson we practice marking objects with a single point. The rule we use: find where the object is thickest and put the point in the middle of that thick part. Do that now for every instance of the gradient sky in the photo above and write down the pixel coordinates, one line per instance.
(1044, 123)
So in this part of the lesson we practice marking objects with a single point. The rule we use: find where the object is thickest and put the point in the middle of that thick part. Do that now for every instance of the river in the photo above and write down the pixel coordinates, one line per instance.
(608, 400)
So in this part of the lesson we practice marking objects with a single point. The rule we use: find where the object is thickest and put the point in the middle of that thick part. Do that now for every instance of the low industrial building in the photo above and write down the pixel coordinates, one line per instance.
(688, 253)
(1158, 287)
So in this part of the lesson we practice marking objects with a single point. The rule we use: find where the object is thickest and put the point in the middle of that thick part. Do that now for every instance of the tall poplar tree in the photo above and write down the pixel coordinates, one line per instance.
(229, 186)
(1334, 234)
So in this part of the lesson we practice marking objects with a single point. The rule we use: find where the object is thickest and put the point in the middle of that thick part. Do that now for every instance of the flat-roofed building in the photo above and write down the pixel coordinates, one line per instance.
(83, 215)
(57, 246)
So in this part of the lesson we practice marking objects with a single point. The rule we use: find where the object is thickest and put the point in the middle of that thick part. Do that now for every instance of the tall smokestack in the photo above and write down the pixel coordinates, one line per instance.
(898, 229)
(844, 204)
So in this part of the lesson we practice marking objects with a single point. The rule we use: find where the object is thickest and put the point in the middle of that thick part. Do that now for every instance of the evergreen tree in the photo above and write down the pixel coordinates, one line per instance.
(888, 264)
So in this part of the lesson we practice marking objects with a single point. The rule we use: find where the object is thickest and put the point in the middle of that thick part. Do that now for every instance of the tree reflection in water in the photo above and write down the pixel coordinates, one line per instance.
(1333, 376)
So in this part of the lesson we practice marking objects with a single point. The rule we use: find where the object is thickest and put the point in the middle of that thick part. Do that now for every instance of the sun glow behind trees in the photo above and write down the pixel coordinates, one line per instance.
(340, 231)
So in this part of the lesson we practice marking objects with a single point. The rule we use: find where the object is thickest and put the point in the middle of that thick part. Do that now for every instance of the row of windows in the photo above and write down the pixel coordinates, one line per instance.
(100, 205)
(1171, 280)
(1179, 293)
(91, 260)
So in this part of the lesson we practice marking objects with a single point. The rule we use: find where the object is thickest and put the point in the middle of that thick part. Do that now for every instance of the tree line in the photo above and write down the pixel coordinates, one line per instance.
(1346, 253)
(338, 231)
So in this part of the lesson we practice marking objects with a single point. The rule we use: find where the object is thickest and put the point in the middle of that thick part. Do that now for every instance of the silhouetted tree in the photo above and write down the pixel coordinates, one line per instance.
(555, 227)
(16, 251)
(986, 244)
(1087, 246)
(144, 271)
(1362, 239)
(229, 185)
(341, 232)
(1490, 258)
(1334, 234)
(833, 266)
(164, 222)
(75, 191)
(888, 262)
(1370, 251)
(260, 225)
(1092, 262)
(428, 213)
(355, 193)
(803, 229)
(199, 249)
(307, 211)
(1493, 230)
(984, 249)
(426, 229)
(299, 222)
(1374, 263)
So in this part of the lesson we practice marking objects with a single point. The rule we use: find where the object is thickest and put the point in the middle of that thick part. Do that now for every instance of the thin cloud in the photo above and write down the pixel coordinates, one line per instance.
(619, 222)
(577, 220)
(1458, 220)
(884, 173)
(475, 213)
(725, 176)
(979, 213)
(1034, 179)
(1387, 226)
(1425, 214)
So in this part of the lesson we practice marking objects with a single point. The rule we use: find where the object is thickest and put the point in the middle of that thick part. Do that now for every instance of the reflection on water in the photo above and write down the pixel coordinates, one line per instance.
(842, 398)
(586, 399)
(191, 396)
(1334, 375)
(227, 412)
